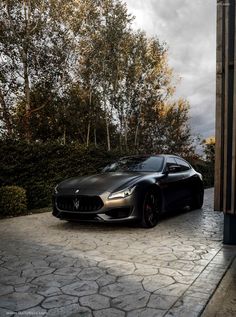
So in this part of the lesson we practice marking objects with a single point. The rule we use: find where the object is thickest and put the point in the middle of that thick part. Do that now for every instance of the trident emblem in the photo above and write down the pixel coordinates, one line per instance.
(76, 203)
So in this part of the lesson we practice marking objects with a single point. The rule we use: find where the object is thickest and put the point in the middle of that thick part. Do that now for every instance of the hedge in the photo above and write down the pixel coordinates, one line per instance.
(39, 167)
(13, 201)
(207, 170)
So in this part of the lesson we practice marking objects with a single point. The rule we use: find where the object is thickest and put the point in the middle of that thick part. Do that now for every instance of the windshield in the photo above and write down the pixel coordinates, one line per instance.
(136, 164)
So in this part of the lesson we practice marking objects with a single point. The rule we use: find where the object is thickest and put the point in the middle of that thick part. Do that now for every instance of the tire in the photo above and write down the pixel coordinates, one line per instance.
(150, 209)
(198, 199)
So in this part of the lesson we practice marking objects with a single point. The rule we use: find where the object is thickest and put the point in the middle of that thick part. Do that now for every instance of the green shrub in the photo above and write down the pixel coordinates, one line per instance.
(207, 171)
(39, 195)
(13, 201)
(39, 167)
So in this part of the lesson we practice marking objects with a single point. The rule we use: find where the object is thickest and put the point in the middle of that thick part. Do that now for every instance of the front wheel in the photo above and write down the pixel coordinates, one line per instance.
(150, 212)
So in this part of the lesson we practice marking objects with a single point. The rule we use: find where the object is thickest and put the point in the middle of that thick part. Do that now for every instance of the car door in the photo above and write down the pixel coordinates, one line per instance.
(185, 181)
(170, 184)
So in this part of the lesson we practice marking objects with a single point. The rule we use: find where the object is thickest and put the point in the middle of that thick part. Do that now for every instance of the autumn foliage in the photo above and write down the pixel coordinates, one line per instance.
(76, 71)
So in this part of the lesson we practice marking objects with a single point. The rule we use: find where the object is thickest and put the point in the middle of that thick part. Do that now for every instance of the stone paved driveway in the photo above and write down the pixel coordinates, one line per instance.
(50, 267)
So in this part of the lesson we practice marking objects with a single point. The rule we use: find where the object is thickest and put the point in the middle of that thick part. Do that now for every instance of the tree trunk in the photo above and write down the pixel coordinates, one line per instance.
(26, 82)
(5, 115)
(95, 136)
(120, 141)
(136, 139)
(108, 134)
(107, 122)
(136, 135)
(126, 134)
(64, 135)
(121, 131)
(88, 133)
(27, 99)
(89, 124)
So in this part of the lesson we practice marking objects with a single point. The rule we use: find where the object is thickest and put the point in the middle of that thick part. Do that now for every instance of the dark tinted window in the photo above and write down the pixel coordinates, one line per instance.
(170, 161)
(183, 164)
(136, 164)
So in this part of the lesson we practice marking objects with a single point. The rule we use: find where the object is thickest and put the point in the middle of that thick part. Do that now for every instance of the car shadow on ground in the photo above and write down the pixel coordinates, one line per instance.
(75, 225)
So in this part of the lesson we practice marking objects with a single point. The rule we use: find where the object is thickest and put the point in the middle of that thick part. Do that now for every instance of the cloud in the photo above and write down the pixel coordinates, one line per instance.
(189, 29)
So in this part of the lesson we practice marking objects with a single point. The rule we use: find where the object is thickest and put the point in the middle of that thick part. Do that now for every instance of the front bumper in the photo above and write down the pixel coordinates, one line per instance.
(111, 210)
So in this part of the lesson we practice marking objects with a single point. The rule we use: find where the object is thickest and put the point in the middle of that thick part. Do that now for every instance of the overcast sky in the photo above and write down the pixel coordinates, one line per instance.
(189, 29)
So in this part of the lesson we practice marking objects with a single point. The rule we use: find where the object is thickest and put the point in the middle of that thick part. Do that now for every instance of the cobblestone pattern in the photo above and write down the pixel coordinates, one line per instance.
(50, 267)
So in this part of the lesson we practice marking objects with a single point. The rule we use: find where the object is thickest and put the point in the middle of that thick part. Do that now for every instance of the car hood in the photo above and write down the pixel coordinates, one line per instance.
(99, 183)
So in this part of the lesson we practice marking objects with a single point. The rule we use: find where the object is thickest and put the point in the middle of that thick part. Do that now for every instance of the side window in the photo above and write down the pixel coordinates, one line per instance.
(170, 161)
(183, 164)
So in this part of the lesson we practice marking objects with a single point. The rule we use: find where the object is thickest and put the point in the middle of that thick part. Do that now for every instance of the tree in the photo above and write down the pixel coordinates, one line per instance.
(70, 68)
(209, 149)
(147, 82)
(35, 46)
(165, 128)
(101, 54)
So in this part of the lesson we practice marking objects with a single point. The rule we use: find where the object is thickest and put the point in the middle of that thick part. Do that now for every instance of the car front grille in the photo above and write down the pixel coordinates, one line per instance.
(79, 203)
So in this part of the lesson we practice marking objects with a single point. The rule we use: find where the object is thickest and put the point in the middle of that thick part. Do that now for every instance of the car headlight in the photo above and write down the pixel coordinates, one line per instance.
(122, 194)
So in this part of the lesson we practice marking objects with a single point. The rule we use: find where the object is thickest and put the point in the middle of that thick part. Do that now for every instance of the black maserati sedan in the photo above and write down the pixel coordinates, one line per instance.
(136, 188)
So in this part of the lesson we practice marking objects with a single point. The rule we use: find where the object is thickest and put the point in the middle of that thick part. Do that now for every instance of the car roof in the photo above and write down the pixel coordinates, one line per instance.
(152, 155)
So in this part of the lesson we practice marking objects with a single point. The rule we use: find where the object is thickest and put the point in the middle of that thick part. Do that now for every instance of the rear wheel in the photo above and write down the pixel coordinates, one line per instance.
(150, 212)
(198, 199)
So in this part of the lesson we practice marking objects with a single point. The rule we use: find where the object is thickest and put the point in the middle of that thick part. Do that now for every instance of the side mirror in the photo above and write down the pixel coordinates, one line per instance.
(165, 172)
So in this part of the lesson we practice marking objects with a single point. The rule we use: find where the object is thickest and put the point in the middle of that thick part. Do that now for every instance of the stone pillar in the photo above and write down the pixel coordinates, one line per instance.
(225, 169)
